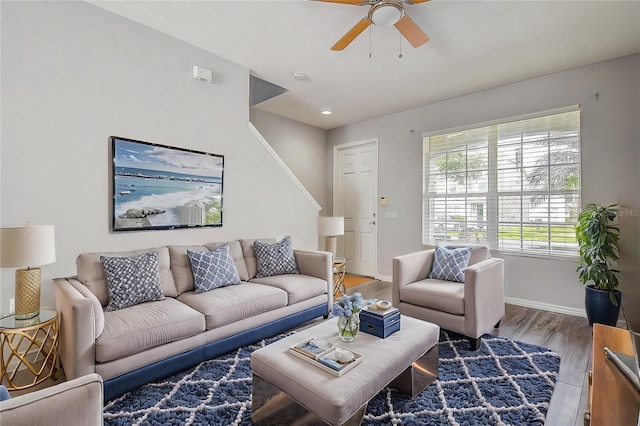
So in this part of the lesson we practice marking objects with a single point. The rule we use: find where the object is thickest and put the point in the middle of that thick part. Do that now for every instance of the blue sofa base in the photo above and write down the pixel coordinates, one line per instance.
(134, 379)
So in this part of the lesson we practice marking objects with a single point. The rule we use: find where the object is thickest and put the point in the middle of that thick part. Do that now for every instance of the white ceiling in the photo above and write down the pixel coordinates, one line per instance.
(475, 45)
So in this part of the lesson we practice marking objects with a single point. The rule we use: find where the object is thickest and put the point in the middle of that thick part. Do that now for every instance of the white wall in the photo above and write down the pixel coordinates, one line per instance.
(610, 127)
(302, 147)
(74, 74)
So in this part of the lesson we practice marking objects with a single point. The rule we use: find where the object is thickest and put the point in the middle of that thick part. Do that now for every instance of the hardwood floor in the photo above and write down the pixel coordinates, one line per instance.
(567, 335)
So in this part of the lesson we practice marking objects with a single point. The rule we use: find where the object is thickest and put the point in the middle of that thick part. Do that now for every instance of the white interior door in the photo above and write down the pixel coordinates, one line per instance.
(355, 196)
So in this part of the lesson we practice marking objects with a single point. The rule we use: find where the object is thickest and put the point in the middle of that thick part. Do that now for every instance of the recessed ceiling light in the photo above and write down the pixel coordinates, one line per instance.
(326, 112)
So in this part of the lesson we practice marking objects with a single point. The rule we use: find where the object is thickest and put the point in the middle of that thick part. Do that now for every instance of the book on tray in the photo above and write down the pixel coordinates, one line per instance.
(314, 347)
(333, 359)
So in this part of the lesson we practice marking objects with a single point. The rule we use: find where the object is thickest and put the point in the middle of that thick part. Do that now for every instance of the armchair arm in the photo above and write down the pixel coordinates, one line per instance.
(75, 402)
(79, 323)
(410, 268)
(483, 296)
(317, 264)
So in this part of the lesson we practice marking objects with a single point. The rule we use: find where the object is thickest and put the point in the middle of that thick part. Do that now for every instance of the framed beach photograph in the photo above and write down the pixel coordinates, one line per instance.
(162, 187)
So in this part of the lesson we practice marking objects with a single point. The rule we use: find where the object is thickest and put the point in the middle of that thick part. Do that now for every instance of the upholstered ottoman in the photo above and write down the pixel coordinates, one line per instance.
(287, 388)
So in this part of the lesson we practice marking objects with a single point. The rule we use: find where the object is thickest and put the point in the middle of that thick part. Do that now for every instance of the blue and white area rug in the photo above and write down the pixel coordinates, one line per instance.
(503, 382)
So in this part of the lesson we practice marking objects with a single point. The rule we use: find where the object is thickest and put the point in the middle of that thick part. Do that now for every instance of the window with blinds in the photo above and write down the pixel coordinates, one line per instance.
(513, 185)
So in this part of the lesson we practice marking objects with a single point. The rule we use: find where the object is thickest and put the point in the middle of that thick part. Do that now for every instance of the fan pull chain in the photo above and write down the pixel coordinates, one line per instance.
(400, 55)
(369, 41)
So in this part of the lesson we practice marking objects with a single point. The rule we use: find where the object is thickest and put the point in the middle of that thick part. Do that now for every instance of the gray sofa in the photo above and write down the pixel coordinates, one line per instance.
(149, 341)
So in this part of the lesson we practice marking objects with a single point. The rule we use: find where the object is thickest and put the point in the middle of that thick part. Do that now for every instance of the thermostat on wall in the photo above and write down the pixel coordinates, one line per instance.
(202, 74)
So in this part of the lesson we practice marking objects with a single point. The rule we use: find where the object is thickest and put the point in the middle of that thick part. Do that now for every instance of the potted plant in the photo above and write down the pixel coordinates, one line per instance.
(598, 238)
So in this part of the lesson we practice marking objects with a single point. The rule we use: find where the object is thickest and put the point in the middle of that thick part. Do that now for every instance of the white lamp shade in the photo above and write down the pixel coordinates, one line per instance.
(23, 246)
(330, 225)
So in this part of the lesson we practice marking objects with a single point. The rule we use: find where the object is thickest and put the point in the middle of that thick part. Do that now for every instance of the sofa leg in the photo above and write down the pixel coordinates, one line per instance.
(498, 324)
(474, 343)
(325, 316)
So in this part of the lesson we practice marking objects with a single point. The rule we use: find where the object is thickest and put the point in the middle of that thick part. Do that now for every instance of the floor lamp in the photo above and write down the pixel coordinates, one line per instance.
(24, 247)
(331, 227)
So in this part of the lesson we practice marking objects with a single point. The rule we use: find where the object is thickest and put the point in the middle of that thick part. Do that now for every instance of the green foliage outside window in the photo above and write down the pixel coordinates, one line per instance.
(460, 164)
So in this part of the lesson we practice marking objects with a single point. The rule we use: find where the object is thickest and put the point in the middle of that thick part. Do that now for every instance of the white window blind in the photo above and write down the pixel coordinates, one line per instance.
(513, 185)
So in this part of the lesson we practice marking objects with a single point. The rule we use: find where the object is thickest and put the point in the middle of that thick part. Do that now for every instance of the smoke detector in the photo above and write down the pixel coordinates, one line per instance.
(299, 76)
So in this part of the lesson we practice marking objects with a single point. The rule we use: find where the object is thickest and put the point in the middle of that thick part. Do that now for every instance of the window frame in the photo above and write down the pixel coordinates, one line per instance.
(492, 194)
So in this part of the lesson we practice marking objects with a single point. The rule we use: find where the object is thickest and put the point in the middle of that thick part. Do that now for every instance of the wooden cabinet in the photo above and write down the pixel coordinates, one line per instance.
(613, 399)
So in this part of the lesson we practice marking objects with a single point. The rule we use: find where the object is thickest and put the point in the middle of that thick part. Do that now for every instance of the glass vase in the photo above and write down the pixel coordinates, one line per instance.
(348, 327)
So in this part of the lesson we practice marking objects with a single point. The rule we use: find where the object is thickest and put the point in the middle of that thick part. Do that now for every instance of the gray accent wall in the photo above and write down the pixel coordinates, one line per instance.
(73, 74)
(610, 124)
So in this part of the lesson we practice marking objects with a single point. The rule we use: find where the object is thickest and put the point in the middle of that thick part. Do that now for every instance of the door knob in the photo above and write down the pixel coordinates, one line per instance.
(372, 223)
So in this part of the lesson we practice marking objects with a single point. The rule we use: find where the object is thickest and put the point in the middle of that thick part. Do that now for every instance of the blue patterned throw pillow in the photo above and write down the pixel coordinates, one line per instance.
(213, 269)
(449, 263)
(132, 280)
(276, 258)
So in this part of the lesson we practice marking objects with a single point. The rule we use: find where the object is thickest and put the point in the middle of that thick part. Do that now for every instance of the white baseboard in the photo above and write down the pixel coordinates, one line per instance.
(546, 306)
(387, 278)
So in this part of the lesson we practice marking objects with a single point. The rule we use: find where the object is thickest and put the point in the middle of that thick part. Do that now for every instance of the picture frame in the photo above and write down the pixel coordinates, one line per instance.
(155, 186)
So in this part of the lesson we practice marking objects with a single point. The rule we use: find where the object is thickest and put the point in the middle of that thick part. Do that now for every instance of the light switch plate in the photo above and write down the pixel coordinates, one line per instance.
(391, 215)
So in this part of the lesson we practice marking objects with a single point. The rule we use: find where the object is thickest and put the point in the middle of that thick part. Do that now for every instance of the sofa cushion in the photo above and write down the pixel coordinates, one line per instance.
(91, 271)
(132, 330)
(275, 258)
(236, 253)
(181, 266)
(234, 303)
(298, 287)
(435, 294)
(250, 255)
(449, 264)
(132, 280)
(213, 269)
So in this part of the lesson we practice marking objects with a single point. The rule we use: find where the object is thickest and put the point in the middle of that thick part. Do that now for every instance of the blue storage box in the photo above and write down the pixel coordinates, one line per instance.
(378, 318)
(378, 325)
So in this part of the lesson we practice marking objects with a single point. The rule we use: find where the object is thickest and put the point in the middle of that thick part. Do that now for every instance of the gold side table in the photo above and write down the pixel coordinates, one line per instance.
(339, 268)
(29, 346)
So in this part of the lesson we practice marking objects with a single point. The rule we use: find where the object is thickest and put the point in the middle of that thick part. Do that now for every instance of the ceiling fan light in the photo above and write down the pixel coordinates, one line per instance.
(326, 112)
(386, 14)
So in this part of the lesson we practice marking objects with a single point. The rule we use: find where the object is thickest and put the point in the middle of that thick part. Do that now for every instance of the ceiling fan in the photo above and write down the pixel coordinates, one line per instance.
(384, 13)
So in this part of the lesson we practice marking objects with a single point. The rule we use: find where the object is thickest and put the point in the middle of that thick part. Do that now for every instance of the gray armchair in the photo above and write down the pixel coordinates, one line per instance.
(471, 308)
(75, 402)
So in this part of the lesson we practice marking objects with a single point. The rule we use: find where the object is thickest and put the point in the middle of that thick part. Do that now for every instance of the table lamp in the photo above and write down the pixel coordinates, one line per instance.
(24, 247)
(330, 227)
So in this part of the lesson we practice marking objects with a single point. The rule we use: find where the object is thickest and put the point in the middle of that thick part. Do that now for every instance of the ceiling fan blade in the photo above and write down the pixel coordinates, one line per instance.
(352, 34)
(411, 31)
(415, 1)
(353, 2)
